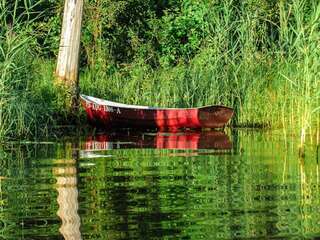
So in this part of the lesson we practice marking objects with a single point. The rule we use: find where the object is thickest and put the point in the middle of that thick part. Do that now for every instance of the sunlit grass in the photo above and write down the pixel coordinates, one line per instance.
(28, 98)
(270, 82)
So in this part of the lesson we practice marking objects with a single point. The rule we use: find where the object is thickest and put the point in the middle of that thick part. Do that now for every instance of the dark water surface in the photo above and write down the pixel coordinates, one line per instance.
(212, 185)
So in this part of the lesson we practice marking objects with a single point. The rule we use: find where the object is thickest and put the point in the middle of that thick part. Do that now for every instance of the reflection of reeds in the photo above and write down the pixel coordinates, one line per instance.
(254, 192)
(309, 192)
(68, 201)
(304, 186)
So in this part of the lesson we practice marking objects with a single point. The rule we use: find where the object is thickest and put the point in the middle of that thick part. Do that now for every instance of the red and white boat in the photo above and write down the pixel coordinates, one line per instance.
(107, 114)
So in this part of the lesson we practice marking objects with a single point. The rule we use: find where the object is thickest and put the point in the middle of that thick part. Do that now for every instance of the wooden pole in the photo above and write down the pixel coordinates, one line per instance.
(67, 70)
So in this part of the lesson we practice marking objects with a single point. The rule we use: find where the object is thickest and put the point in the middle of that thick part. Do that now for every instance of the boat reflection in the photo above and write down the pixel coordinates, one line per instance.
(161, 140)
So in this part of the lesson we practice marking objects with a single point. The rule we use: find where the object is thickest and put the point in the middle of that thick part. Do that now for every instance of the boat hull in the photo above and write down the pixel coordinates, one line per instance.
(107, 114)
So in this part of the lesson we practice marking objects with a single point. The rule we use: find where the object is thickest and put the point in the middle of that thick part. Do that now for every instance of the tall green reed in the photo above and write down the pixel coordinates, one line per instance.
(22, 114)
(14, 68)
(300, 35)
(263, 64)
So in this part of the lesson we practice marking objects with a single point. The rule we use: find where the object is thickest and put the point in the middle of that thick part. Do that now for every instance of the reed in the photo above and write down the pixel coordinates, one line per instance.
(303, 75)
(262, 61)
(267, 70)
(26, 91)
(13, 80)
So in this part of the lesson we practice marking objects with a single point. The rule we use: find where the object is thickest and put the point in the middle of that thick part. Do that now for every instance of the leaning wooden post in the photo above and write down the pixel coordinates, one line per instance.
(67, 70)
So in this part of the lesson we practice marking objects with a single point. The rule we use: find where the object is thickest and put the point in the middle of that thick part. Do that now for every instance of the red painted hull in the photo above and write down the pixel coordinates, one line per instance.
(106, 114)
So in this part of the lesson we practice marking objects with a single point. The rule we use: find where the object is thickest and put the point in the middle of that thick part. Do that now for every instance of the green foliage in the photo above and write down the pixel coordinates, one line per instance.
(258, 56)
(182, 32)
(119, 32)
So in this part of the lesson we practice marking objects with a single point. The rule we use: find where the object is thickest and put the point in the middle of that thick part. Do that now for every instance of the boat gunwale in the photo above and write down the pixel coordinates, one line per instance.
(140, 107)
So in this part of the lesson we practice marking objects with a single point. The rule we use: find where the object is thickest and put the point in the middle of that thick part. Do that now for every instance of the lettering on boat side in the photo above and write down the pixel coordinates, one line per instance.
(104, 107)
(93, 106)
(108, 109)
(90, 105)
(111, 109)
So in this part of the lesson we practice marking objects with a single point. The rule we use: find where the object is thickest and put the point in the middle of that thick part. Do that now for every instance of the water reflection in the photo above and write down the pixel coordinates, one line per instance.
(160, 140)
(264, 191)
(66, 185)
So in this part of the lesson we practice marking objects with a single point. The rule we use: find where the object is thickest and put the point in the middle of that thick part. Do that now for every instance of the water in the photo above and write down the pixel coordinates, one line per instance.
(241, 185)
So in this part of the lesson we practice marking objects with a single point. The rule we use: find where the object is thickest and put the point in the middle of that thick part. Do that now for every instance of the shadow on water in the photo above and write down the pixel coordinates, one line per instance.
(135, 185)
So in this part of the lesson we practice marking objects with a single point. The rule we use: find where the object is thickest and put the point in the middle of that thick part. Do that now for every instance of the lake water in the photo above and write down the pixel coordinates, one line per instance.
(210, 185)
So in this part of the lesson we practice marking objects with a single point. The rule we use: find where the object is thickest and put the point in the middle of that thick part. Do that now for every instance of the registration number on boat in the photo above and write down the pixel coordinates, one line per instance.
(105, 108)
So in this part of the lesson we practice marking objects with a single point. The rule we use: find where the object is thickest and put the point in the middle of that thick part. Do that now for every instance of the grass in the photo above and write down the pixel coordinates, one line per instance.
(29, 102)
(14, 78)
(269, 81)
(275, 84)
